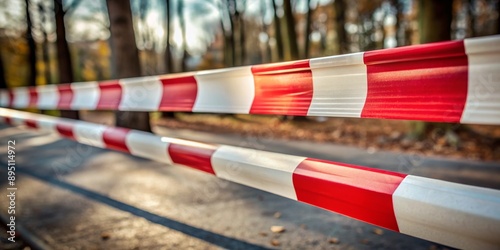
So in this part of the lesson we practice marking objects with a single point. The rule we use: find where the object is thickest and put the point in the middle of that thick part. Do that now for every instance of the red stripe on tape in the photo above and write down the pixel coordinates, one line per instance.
(31, 123)
(65, 96)
(426, 82)
(179, 93)
(8, 120)
(33, 97)
(282, 88)
(111, 95)
(357, 192)
(192, 156)
(115, 138)
(65, 129)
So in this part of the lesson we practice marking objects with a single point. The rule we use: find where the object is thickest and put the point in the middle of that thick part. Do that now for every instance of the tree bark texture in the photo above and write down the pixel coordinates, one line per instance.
(126, 58)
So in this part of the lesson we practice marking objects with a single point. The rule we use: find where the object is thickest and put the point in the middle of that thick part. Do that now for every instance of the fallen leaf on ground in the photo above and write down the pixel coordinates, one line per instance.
(365, 241)
(334, 240)
(277, 215)
(277, 229)
(105, 236)
(378, 231)
(275, 242)
(264, 234)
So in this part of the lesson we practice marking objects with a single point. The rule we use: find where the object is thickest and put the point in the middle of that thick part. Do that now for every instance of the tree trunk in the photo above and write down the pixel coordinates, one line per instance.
(399, 20)
(228, 55)
(126, 58)
(278, 34)
(227, 47)
(168, 54)
(243, 54)
(267, 54)
(180, 14)
(290, 28)
(434, 25)
(308, 29)
(231, 37)
(31, 47)
(435, 20)
(45, 47)
(64, 68)
(292, 42)
(340, 10)
(498, 18)
(237, 33)
(3, 82)
(470, 5)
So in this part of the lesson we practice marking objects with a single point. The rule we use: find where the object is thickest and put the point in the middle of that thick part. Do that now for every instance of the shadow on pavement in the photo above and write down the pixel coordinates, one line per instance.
(210, 237)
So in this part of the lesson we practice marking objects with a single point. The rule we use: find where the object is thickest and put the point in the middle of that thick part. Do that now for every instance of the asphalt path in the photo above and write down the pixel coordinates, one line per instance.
(73, 196)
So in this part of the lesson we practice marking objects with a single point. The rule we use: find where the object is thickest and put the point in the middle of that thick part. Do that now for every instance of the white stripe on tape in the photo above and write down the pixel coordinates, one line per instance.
(483, 105)
(85, 95)
(17, 121)
(148, 146)
(271, 172)
(339, 85)
(90, 134)
(47, 123)
(449, 213)
(225, 91)
(48, 96)
(16, 117)
(142, 93)
(21, 97)
(4, 98)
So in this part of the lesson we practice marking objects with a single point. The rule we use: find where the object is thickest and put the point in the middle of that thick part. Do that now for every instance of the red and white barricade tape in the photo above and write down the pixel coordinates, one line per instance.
(453, 214)
(456, 81)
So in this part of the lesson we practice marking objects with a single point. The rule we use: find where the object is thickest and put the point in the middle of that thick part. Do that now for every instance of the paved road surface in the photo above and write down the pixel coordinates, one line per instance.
(73, 196)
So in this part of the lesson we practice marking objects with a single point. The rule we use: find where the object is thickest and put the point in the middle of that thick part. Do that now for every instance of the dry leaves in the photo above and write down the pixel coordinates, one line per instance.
(378, 231)
(277, 229)
(105, 235)
(334, 240)
(275, 242)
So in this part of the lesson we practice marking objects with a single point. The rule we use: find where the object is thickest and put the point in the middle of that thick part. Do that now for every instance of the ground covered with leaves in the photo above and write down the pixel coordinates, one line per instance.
(476, 142)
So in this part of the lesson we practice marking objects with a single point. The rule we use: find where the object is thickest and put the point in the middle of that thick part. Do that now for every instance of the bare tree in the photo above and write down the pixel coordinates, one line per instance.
(267, 54)
(308, 29)
(435, 20)
(277, 33)
(180, 15)
(498, 18)
(241, 21)
(168, 54)
(126, 58)
(291, 36)
(434, 25)
(3, 82)
(228, 33)
(340, 10)
(65, 70)
(31, 46)
(45, 43)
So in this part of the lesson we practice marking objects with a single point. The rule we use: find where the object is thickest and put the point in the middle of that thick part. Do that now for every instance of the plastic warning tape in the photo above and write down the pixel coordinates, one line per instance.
(456, 81)
(453, 214)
